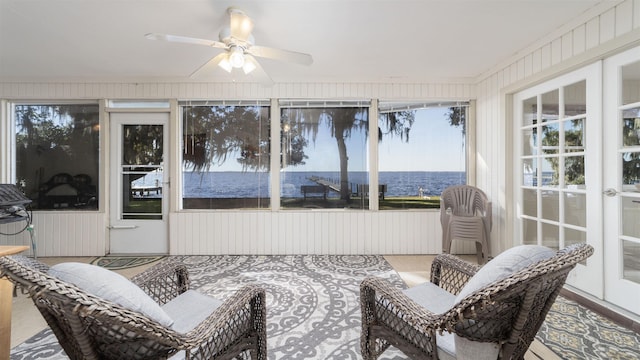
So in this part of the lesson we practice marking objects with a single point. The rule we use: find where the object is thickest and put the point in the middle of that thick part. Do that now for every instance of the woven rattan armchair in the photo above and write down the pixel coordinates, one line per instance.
(465, 214)
(90, 327)
(449, 319)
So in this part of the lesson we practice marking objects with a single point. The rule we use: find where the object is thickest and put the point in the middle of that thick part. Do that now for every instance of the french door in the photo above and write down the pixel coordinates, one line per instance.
(138, 185)
(558, 168)
(621, 204)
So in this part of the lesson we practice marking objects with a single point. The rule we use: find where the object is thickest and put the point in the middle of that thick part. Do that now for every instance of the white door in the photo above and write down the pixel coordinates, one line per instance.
(622, 180)
(557, 127)
(138, 184)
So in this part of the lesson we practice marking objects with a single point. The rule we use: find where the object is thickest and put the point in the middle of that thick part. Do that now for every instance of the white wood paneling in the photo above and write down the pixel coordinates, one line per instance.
(190, 90)
(61, 234)
(309, 232)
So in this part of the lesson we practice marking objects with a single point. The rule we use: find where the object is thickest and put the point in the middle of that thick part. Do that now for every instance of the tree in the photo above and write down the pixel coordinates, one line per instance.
(213, 133)
(340, 122)
(457, 116)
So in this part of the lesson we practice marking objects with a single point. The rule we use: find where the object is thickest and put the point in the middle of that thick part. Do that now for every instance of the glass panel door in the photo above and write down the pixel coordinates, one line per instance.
(138, 186)
(558, 191)
(622, 180)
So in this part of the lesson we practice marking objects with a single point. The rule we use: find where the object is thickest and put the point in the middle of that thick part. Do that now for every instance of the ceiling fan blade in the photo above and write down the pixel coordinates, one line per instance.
(241, 25)
(186, 40)
(282, 55)
(258, 73)
(210, 65)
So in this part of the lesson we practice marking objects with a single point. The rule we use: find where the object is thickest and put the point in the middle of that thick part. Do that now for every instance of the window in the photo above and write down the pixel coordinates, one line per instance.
(57, 152)
(323, 154)
(225, 155)
(421, 151)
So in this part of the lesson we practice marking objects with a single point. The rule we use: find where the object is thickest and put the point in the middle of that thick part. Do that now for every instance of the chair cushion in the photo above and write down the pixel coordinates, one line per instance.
(111, 286)
(505, 264)
(431, 297)
(437, 300)
(189, 309)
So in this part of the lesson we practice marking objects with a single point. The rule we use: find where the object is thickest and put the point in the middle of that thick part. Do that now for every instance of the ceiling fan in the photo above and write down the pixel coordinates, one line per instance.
(240, 50)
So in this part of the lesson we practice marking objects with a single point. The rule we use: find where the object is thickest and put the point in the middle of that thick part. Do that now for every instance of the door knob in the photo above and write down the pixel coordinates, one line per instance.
(610, 192)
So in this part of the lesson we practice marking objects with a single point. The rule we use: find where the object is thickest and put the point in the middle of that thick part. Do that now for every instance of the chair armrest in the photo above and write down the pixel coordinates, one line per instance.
(451, 272)
(163, 281)
(390, 314)
(240, 322)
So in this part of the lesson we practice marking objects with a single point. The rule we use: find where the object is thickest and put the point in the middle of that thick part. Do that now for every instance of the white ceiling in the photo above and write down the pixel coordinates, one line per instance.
(350, 40)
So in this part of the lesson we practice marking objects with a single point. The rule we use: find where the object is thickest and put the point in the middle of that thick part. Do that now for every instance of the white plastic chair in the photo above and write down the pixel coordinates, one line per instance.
(465, 214)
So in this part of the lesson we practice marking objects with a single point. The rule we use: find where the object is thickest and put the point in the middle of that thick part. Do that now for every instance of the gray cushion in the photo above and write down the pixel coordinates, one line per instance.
(431, 297)
(505, 264)
(111, 286)
(189, 309)
(437, 300)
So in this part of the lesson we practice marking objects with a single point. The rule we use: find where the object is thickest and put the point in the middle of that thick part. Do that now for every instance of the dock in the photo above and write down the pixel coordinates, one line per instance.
(361, 190)
(331, 185)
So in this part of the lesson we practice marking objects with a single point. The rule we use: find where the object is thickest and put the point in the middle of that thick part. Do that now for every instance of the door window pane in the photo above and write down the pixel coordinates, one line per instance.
(631, 83)
(631, 261)
(550, 205)
(630, 216)
(550, 138)
(57, 155)
(529, 142)
(142, 176)
(575, 99)
(630, 170)
(225, 156)
(551, 236)
(530, 172)
(550, 106)
(631, 127)
(529, 232)
(574, 172)
(324, 157)
(574, 135)
(530, 111)
(572, 236)
(529, 202)
(550, 171)
(575, 211)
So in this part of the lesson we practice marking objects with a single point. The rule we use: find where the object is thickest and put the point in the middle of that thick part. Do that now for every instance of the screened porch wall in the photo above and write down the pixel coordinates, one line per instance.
(246, 231)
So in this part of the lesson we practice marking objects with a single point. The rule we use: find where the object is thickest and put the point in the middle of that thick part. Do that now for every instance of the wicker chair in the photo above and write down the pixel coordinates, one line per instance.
(429, 321)
(90, 327)
(465, 214)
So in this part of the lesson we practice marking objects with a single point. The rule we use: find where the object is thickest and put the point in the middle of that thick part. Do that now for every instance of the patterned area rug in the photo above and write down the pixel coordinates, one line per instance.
(313, 304)
(575, 332)
(124, 262)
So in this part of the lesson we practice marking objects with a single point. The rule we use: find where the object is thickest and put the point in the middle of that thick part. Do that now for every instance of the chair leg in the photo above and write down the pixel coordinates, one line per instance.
(481, 256)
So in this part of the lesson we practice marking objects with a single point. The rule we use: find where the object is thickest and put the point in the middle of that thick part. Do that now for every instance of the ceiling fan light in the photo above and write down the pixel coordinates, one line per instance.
(236, 57)
(226, 65)
(248, 67)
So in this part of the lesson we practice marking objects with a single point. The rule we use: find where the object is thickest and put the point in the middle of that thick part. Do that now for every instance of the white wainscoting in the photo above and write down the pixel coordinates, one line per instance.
(250, 232)
(74, 233)
(308, 232)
